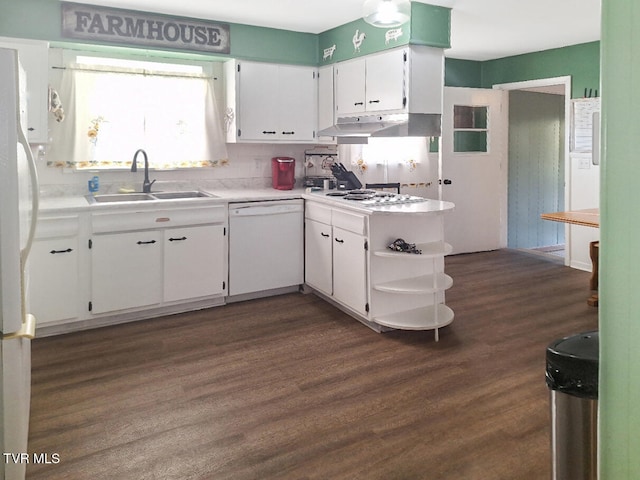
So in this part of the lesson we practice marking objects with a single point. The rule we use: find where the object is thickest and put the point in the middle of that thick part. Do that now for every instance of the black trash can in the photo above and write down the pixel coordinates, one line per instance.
(572, 377)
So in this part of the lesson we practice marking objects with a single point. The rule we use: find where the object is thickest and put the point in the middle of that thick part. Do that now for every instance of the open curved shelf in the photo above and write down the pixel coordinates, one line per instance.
(424, 318)
(429, 250)
(417, 285)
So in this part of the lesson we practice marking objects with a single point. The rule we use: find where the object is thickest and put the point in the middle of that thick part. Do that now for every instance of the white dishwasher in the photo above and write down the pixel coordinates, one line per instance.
(265, 245)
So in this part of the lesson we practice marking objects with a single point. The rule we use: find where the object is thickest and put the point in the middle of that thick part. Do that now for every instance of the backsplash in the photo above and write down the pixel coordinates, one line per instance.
(394, 160)
(249, 167)
(404, 160)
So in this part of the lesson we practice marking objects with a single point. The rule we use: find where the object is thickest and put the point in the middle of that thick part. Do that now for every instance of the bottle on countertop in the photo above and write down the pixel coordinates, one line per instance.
(94, 185)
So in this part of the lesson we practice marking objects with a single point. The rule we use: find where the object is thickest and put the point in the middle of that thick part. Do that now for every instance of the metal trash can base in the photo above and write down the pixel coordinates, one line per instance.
(572, 377)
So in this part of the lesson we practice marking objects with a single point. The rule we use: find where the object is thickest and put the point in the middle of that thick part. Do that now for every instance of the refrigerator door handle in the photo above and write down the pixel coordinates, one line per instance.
(28, 329)
(35, 194)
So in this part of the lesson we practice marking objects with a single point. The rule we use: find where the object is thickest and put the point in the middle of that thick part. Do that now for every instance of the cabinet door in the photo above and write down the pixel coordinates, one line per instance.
(126, 270)
(34, 58)
(318, 252)
(258, 101)
(350, 270)
(350, 94)
(297, 103)
(193, 262)
(385, 81)
(53, 279)
(325, 97)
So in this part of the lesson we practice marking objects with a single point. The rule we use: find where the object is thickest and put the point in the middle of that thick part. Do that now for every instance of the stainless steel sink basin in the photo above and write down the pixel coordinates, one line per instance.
(119, 197)
(142, 197)
(181, 194)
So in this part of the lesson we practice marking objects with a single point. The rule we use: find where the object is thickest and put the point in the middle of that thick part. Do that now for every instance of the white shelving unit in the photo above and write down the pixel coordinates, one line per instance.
(432, 316)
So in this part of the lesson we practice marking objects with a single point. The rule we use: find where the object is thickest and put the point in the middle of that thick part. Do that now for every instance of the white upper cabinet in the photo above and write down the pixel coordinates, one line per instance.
(350, 87)
(371, 84)
(270, 103)
(325, 97)
(402, 80)
(385, 81)
(34, 57)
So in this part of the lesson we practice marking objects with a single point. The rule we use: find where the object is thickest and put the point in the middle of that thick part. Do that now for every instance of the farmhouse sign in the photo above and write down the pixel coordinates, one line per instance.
(91, 22)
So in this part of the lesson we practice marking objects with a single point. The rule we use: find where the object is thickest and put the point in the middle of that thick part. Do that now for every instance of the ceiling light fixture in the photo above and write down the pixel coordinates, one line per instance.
(386, 13)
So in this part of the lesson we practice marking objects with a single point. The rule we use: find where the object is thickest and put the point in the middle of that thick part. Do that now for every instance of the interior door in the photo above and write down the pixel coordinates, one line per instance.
(474, 168)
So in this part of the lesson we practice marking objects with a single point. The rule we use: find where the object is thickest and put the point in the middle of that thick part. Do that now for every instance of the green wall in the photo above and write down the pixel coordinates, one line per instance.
(536, 168)
(582, 62)
(429, 25)
(41, 19)
(462, 73)
(619, 389)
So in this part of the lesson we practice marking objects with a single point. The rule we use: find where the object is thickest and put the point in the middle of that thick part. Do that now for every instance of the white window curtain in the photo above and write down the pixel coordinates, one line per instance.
(113, 112)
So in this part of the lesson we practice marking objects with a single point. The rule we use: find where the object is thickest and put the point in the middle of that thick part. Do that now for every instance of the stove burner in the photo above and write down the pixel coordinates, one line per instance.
(359, 196)
(374, 198)
(362, 192)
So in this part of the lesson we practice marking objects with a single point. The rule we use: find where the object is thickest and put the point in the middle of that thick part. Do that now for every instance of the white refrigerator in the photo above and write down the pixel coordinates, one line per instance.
(18, 215)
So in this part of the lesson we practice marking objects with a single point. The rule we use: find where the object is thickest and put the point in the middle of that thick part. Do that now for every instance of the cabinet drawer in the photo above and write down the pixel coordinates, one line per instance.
(319, 213)
(142, 220)
(349, 221)
(63, 226)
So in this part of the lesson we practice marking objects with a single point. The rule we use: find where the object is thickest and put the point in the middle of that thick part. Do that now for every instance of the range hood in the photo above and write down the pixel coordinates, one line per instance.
(358, 129)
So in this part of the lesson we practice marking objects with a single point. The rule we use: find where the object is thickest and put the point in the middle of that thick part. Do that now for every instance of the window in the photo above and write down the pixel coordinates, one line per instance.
(119, 106)
(469, 129)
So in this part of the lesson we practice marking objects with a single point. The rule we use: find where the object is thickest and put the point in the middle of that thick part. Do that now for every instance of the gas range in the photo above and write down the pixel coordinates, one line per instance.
(373, 198)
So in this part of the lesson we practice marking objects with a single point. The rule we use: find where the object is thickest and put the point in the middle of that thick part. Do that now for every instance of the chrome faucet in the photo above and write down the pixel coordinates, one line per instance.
(146, 185)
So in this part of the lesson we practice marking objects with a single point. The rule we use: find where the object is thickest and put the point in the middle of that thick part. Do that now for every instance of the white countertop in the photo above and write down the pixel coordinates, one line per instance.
(62, 204)
(52, 205)
(428, 206)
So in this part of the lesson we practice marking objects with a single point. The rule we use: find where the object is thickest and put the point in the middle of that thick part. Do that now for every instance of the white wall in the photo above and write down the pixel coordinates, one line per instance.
(584, 193)
(404, 160)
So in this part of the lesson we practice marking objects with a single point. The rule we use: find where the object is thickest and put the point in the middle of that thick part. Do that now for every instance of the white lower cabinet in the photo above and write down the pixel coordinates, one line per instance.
(53, 279)
(408, 289)
(347, 258)
(152, 258)
(350, 269)
(336, 255)
(126, 270)
(117, 264)
(193, 262)
(319, 256)
(430, 313)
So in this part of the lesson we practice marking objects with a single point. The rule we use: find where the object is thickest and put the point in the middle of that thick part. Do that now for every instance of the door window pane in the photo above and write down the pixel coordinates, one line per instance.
(470, 127)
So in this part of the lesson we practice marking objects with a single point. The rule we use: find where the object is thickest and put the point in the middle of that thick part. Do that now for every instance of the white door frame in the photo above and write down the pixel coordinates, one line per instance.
(547, 82)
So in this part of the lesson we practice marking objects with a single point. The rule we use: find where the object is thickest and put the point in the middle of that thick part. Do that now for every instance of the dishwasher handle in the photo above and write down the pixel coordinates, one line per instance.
(261, 210)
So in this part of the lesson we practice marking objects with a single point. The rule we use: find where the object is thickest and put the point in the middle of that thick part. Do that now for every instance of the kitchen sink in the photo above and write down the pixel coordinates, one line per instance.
(142, 197)
(119, 197)
(180, 194)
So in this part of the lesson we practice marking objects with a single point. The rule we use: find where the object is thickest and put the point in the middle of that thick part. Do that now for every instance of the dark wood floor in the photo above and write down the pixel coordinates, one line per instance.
(291, 388)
